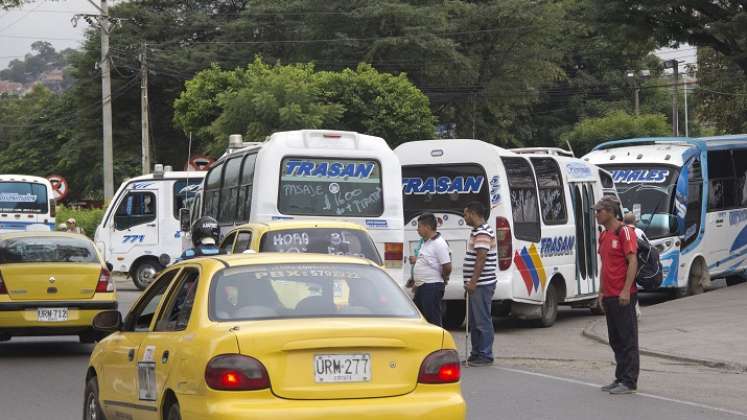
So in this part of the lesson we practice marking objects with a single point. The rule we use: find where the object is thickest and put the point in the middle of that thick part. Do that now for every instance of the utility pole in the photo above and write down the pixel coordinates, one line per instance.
(104, 23)
(636, 77)
(144, 116)
(674, 65)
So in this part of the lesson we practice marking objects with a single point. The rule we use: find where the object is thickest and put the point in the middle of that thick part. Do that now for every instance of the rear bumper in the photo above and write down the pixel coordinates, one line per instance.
(443, 402)
(21, 318)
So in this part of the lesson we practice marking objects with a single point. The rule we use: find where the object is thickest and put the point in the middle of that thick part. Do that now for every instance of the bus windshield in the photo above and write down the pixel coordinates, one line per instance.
(330, 187)
(647, 191)
(442, 188)
(23, 197)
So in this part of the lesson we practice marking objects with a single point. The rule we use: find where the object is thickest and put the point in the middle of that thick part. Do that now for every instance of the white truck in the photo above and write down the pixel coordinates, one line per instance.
(140, 228)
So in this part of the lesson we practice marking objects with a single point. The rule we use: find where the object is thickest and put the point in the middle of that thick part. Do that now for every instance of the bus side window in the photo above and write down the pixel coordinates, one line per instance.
(229, 194)
(740, 165)
(245, 189)
(211, 198)
(524, 205)
(721, 181)
(551, 194)
(694, 201)
(137, 208)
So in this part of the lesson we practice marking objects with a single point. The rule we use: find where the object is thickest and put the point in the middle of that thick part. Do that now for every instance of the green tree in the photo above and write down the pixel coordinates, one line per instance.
(722, 92)
(614, 126)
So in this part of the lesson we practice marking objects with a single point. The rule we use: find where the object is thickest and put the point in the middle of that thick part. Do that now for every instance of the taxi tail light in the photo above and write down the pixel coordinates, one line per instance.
(105, 283)
(235, 372)
(3, 290)
(393, 251)
(503, 239)
(440, 367)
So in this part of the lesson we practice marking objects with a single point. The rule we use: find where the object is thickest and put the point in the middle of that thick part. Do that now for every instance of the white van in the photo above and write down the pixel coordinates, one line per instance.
(540, 207)
(310, 174)
(142, 222)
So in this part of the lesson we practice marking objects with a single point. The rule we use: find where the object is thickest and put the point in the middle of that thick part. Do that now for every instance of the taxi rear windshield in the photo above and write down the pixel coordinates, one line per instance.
(46, 249)
(285, 291)
(349, 242)
(330, 187)
(442, 188)
(23, 197)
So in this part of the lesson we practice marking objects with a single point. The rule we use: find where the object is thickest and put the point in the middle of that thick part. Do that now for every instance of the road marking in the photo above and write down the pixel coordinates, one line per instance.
(642, 394)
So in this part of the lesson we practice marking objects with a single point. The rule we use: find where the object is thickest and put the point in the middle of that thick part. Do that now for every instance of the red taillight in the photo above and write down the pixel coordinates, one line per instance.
(3, 290)
(105, 283)
(234, 372)
(393, 251)
(440, 367)
(505, 245)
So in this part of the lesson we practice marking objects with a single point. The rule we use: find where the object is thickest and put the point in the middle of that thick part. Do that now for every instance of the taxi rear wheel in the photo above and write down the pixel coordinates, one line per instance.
(92, 408)
(174, 413)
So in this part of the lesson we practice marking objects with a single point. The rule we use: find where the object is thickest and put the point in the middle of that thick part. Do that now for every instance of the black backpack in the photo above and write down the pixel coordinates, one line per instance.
(650, 273)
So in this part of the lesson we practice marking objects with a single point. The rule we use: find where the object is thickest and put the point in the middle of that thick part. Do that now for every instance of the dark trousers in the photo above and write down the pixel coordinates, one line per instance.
(622, 329)
(428, 298)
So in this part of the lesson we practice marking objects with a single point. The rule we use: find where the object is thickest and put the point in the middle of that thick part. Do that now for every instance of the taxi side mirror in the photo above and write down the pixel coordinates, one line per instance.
(109, 267)
(185, 215)
(108, 321)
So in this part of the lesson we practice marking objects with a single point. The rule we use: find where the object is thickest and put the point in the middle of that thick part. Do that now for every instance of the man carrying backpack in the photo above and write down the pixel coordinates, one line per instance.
(618, 250)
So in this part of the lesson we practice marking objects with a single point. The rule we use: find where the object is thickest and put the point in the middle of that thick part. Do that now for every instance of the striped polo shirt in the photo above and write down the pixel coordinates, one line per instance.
(481, 237)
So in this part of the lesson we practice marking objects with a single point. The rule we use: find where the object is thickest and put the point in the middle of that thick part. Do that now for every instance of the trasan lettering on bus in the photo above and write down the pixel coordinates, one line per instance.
(442, 185)
(560, 245)
(329, 169)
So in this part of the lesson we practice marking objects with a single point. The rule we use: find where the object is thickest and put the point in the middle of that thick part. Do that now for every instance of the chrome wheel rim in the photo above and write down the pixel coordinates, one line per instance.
(91, 407)
(147, 274)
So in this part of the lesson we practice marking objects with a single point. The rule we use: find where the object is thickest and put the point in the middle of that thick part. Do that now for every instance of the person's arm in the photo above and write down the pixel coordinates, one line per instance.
(446, 272)
(479, 265)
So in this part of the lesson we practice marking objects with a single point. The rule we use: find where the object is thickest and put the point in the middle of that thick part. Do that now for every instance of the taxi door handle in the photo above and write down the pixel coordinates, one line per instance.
(130, 355)
(165, 357)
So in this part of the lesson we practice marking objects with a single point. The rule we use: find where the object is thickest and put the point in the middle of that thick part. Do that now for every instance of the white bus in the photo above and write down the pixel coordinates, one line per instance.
(142, 222)
(310, 174)
(540, 207)
(690, 198)
(26, 203)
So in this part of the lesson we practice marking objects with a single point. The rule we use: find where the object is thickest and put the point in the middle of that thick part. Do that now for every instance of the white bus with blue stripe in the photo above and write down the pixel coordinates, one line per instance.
(26, 203)
(690, 198)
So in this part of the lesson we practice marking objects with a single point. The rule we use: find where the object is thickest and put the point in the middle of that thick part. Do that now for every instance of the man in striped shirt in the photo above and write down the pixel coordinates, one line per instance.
(479, 281)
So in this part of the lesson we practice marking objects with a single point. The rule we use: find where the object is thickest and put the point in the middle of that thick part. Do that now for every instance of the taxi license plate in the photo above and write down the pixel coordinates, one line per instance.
(330, 368)
(51, 314)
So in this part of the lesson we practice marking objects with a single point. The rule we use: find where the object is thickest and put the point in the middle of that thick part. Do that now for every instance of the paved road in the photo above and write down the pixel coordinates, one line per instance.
(540, 374)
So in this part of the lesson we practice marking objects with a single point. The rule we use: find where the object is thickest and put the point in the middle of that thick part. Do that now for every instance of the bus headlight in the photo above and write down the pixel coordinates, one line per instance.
(666, 245)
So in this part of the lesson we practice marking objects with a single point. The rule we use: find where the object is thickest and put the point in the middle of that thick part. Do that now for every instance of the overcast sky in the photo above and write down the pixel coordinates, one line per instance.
(50, 21)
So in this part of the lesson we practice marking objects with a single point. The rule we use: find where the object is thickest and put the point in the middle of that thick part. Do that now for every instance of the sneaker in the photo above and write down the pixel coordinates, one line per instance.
(621, 389)
(608, 388)
(472, 357)
(480, 361)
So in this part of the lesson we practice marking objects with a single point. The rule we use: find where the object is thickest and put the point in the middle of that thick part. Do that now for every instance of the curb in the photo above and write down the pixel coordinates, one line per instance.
(589, 332)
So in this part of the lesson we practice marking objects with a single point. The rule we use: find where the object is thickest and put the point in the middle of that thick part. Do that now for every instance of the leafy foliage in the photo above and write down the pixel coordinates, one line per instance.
(613, 126)
(87, 219)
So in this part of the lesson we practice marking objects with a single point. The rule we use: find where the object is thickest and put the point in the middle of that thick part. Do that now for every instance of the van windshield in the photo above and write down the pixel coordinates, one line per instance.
(647, 191)
(442, 188)
(330, 187)
(23, 197)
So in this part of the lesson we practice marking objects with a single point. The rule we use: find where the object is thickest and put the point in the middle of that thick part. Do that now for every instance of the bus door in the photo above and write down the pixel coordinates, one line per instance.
(587, 263)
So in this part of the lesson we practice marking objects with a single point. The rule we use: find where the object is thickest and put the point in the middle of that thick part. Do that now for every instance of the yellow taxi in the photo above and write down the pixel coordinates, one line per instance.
(52, 283)
(218, 338)
(303, 236)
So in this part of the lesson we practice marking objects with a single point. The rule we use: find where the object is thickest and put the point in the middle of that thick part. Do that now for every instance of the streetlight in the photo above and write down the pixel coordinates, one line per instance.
(635, 76)
(674, 65)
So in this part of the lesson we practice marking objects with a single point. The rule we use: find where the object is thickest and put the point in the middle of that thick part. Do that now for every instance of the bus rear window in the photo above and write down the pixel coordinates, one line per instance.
(349, 242)
(23, 197)
(330, 187)
(442, 188)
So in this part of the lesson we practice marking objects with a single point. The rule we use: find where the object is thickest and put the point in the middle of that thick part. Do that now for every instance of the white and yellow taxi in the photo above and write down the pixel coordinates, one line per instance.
(231, 337)
(303, 236)
(52, 283)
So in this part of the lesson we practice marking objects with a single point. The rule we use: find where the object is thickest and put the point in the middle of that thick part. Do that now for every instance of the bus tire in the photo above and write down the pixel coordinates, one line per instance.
(696, 280)
(145, 271)
(549, 313)
(454, 312)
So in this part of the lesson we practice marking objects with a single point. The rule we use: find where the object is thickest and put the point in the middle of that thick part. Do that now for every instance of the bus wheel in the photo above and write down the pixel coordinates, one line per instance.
(144, 273)
(697, 279)
(453, 314)
(549, 308)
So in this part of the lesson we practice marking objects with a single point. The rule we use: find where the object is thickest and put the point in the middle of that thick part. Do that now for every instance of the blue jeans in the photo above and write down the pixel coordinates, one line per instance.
(428, 298)
(481, 322)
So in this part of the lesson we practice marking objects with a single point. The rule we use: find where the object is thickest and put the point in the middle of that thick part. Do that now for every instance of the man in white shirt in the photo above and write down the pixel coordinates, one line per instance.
(432, 269)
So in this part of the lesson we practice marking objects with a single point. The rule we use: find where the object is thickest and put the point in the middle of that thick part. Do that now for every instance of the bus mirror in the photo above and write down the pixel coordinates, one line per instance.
(673, 225)
(184, 216)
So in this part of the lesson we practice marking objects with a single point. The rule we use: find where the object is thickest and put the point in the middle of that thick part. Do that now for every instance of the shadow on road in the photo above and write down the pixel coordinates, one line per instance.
(44, 349)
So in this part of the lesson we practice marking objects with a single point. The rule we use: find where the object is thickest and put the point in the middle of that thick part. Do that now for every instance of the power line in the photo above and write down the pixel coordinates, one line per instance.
(4, 28)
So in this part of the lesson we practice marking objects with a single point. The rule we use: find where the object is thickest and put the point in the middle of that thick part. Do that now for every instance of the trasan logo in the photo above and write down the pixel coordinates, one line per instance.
(639, 176)
(326, 169)
(442, 185)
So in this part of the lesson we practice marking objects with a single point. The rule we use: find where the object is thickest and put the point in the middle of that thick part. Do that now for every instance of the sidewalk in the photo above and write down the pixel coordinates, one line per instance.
(708, 329)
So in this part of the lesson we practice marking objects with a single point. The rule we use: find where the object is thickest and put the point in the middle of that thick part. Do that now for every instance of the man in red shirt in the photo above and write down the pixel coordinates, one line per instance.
(618, 247)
